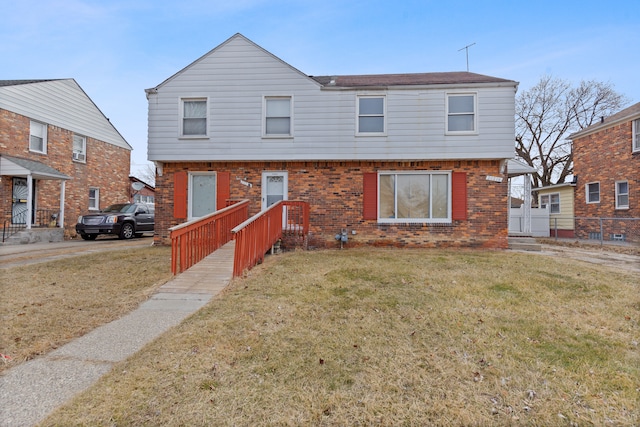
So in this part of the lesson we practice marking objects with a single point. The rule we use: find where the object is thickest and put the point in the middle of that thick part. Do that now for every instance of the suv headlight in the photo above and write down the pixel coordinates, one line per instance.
(111, 219)
(80, 219)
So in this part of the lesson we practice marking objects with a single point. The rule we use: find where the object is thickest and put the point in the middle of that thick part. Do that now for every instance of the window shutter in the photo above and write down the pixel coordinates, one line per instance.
(223, 189)
(370, 196)
(180, 195)
(459, 196)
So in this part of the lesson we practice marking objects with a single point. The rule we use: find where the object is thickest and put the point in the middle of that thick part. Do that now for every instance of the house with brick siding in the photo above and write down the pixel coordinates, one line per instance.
(407, 160)
(140, 191)
(59, 155)
(606, 162)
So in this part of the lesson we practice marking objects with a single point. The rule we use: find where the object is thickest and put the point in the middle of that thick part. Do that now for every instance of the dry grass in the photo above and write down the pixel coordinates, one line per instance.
(391, 337)
(627, 248)
(46, 305)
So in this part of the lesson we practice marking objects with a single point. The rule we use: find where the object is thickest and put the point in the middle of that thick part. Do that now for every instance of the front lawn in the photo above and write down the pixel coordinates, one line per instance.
(43, 306)
(391, 337)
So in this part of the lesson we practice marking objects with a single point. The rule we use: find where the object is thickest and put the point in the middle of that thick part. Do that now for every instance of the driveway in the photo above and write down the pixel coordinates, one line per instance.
(17, 255)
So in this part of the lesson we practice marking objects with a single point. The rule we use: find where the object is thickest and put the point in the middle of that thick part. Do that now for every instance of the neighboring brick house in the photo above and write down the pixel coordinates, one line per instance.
(140, 191)
(606, 162)
(401, 160)
(59, 155)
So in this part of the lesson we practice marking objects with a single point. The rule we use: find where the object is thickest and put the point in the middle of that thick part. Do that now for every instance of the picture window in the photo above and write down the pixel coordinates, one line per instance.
(414, 197)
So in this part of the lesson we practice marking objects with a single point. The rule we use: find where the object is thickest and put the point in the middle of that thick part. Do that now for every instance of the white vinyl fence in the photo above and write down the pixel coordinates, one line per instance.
(539, 222)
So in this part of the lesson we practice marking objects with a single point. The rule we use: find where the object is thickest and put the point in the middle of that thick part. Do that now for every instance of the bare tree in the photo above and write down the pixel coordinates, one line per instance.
(147, 174)
(548, 113)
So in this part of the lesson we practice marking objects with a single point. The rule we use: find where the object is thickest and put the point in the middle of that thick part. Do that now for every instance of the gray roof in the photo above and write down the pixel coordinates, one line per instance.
(414, 79)
(373, 80)
(32, 167)
(62, 103)
(628, 114)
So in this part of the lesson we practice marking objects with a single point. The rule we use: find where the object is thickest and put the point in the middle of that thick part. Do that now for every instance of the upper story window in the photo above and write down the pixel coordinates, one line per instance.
(79, 148)
(461, 113)
(552, 201)
(636, 135)
(193, 117)
(622, 194)
(38, 137)
(414, 197)
(371, 115)
(94, 199)
(277, 116)
(593, 192)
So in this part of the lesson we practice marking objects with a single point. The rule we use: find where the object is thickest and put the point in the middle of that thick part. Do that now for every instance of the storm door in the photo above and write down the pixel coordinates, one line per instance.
(274, 188)
(19, 201)
(202, 197)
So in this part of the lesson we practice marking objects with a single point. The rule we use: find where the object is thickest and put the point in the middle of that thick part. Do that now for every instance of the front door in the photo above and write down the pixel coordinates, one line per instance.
(274, 188)
(19, 201)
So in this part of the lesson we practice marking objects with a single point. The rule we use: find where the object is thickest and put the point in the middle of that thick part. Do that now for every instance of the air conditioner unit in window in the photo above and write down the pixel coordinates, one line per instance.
(79, 157)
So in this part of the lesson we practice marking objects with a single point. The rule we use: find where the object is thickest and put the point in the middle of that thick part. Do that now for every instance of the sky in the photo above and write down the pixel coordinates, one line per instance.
(115, 49)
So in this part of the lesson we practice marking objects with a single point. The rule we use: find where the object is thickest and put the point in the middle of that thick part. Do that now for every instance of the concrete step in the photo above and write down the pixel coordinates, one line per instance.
(524, 244)
(35, 235)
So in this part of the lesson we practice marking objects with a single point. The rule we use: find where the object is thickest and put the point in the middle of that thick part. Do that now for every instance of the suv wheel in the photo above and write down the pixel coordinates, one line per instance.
(127, 231)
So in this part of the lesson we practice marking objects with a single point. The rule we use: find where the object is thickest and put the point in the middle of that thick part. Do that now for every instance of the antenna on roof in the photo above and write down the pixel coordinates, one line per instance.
(467, 49)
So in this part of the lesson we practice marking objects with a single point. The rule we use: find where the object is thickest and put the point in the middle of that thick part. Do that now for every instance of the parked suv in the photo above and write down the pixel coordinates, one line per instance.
(124, 220)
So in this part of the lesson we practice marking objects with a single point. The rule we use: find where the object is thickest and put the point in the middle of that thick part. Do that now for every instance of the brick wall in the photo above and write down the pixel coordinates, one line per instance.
(606, 157)
(106, 168)
(334, 193)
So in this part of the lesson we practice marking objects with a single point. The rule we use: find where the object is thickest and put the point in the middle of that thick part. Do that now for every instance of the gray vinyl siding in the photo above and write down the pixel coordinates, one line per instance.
(237, 75)
(61, 103)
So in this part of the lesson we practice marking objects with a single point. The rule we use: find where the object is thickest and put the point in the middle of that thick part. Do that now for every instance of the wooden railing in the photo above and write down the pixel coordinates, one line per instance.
(258, 234)
(196, 239)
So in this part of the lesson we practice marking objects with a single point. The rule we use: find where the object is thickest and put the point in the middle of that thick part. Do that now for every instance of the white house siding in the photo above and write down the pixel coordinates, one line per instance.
(236, 75)
(61, 103)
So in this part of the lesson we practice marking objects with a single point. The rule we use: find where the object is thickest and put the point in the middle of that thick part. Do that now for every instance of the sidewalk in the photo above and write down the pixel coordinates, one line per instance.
(31, 391)
(33, 253)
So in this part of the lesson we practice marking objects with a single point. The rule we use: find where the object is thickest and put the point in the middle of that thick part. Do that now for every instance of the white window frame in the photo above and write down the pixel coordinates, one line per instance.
(80, 155)
(618, 194)
(182, 118)
(450, 95)
(635, 135)
(446, 220)
(384, 115)
(38, 130)
(265, 100)
(586, 189)
(549, 203)
(95, 206)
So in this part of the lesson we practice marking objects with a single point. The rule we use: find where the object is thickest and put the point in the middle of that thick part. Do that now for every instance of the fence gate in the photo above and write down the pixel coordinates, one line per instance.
(539, 226)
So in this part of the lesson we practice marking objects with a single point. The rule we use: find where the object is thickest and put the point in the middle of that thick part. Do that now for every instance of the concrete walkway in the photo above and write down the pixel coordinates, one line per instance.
(31, 391)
